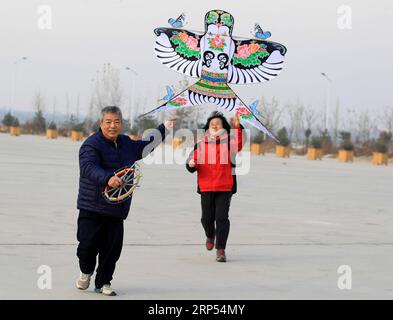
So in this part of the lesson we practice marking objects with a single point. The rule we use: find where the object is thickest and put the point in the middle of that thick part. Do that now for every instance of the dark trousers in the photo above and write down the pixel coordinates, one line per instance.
(103, 236)
(215, 209)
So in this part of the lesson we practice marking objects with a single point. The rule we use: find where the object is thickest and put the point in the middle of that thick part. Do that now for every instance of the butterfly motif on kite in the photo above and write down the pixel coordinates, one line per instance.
(260, 34)
(178, 22)
(254, 109)
(170, 92)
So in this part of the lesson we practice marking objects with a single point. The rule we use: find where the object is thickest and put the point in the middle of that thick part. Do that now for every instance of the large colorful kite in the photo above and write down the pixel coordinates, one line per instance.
(218, 59)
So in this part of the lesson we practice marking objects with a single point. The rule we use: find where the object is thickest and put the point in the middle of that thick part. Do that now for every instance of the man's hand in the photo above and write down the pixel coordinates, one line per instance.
(115, 182)
(191, 163)
(169, 123)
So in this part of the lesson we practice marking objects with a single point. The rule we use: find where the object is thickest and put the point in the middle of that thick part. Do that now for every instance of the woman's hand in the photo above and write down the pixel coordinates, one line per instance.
(192, 163)
(236, 120)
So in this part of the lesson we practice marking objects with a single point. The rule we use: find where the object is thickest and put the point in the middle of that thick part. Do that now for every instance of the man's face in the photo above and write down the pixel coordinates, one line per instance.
(111, 125)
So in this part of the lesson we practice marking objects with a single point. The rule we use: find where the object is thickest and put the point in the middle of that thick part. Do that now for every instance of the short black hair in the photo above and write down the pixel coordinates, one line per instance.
(219, 115)
(111, 109)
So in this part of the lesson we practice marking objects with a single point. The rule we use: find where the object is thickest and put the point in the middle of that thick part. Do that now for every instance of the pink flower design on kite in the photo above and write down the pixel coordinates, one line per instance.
(243, 51)
(243, 112)
(192, 43)
(180, 101)
(217, 42)
(254, 47)
(183, 36)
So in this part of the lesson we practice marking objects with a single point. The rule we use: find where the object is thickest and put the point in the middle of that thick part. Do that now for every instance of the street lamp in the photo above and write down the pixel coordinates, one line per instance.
(132, 92)
(329, 82)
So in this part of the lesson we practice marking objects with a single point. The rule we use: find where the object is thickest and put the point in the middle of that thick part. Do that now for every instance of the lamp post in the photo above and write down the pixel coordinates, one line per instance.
(14, 81)
(329, 83)
(132, 93)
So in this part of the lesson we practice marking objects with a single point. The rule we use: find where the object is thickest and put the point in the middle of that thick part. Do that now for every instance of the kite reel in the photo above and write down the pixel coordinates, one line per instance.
(130, 177)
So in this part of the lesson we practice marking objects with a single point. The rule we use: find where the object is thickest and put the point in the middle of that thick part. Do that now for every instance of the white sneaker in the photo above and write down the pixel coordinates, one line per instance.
(84, 281)
(107, 290)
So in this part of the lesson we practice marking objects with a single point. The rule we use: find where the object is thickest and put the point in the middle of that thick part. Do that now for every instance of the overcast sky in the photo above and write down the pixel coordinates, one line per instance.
(86, 34)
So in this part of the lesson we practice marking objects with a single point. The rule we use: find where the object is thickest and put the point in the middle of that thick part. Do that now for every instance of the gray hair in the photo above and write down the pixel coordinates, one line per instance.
(111, 109)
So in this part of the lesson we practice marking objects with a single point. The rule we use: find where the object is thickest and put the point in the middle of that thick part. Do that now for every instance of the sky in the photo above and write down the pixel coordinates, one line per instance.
(85, 34)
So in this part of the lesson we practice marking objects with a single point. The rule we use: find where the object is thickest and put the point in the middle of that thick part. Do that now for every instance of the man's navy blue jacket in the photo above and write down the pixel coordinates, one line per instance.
(99, 158)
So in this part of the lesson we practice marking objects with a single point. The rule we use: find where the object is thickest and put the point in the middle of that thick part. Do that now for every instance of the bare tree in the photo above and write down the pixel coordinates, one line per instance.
(107, 90)
(296, 125)
(387, 119)
(67, 106)
(39, 122)
(271, 113)
(349, 123)
(320, 120)
(336, 122)
(54, 109)
(364, 127)
(91, 121)
(77, 107)
(39, 102)
(310, 117)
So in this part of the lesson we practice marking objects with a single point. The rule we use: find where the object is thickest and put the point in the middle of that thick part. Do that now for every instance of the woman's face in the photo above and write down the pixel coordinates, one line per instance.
(215, 126)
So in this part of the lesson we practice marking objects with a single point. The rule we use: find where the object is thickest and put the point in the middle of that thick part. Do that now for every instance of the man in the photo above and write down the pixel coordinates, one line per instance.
(100, 223)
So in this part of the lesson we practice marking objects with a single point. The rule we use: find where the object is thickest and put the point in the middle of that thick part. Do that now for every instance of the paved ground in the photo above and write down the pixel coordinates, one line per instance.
(293, 223)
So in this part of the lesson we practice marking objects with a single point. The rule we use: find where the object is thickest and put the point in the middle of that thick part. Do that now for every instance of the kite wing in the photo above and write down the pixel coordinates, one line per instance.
(255, 61)
(179, 50)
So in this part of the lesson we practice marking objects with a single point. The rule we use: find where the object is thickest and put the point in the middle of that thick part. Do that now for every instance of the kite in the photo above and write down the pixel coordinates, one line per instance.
(218, 59)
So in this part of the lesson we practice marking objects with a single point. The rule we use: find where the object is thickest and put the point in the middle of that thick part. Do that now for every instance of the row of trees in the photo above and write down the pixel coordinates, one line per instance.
(187, 119)
(295, 123)
(382, 143)
(39, 124)
(299, 119)
(365, 142)
(302, 126)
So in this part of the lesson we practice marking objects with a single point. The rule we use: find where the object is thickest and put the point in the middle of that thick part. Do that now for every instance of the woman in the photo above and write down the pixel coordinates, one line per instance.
(213, 158)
